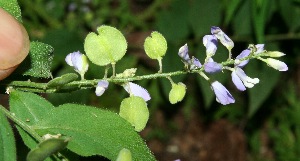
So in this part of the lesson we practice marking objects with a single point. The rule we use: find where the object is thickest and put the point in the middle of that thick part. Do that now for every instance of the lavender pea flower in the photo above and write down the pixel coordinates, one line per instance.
(224, 39)
(136, 90)
(241, 80)
(101, 87)
(212, 67)
(222, 94)
(210, 42)
(79, 62)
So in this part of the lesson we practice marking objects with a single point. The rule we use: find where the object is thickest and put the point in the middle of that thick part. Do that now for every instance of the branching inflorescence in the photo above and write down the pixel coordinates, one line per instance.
(110, 46)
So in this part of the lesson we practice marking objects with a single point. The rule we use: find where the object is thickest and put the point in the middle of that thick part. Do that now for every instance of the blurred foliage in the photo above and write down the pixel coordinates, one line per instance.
(276, 23)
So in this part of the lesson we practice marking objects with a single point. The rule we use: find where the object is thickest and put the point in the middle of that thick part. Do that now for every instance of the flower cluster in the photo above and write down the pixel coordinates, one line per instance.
(239, 77)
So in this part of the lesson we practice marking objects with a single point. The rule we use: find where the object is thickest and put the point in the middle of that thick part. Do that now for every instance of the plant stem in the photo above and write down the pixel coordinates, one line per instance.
(86, 84)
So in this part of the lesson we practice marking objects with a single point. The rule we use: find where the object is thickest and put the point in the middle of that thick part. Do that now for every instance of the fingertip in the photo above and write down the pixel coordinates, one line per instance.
(14, 41)
(6, 72)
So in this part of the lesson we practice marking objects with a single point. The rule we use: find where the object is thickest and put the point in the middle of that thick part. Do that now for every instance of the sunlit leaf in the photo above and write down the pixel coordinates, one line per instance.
(29, 108)
(94, 131)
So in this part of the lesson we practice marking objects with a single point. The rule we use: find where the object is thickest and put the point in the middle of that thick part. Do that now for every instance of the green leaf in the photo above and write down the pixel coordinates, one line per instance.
(7, 140)
(231, 7)
(290, 14)
(242, 20)
(107, 47)
(261, 10)
(134, 110)
(12, 7)
(259, 93)
(155, 45)
(177, 17)
(94, 131)
(38, 63)
(177, 93)
(29, 108)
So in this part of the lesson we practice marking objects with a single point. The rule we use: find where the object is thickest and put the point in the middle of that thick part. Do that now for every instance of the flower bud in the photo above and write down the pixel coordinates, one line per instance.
(276, 64)
(275, 54)
(155, 45)
(134, 109)
(177, 92)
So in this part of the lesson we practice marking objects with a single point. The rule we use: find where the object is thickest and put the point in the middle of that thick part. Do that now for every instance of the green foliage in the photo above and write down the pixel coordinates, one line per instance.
(155, 45)
(46, 148)
(268, 79)
(177, 92)
(29, 108)
(92, 131)
(7, 140)
(12, 7)
(38, 63)
(134, 110)
(106, 48)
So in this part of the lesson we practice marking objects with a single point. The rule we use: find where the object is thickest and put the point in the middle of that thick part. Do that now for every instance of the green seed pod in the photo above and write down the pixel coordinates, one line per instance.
(124, 155)
(134, 109)
(177, 92)
(155, 45)
(46, 149)
(62, 80)
(107, 47)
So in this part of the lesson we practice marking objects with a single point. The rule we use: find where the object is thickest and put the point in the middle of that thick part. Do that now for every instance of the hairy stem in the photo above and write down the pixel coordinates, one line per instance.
(86, 84)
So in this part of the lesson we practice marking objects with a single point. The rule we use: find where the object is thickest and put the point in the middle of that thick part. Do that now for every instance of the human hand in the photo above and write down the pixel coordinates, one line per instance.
(14, 43)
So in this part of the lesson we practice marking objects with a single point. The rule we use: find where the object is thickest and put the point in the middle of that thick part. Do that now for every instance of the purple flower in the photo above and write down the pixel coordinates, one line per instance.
(210, 42)
(184, 53)
(222, 94)
(79, 62)
(194, 63)
(243, 54)
(136, 90)
(259, 48)
(212, 67)
(101, 87)
(240, 79)
(224, 39)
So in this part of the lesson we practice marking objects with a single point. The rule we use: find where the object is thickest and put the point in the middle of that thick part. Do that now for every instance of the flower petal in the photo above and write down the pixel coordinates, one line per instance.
(210, 42)
(101, 87)
(248, 82)
(184, 53)
(276, 64)
(243, 54)
(224, 39)
(237, 81)
(212, 67)
(194, 63)
(259, 48)
(222, 94)
(137, 90)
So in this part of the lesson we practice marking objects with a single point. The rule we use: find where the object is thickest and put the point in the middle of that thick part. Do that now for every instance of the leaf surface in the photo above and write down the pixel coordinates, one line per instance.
(7, 140)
